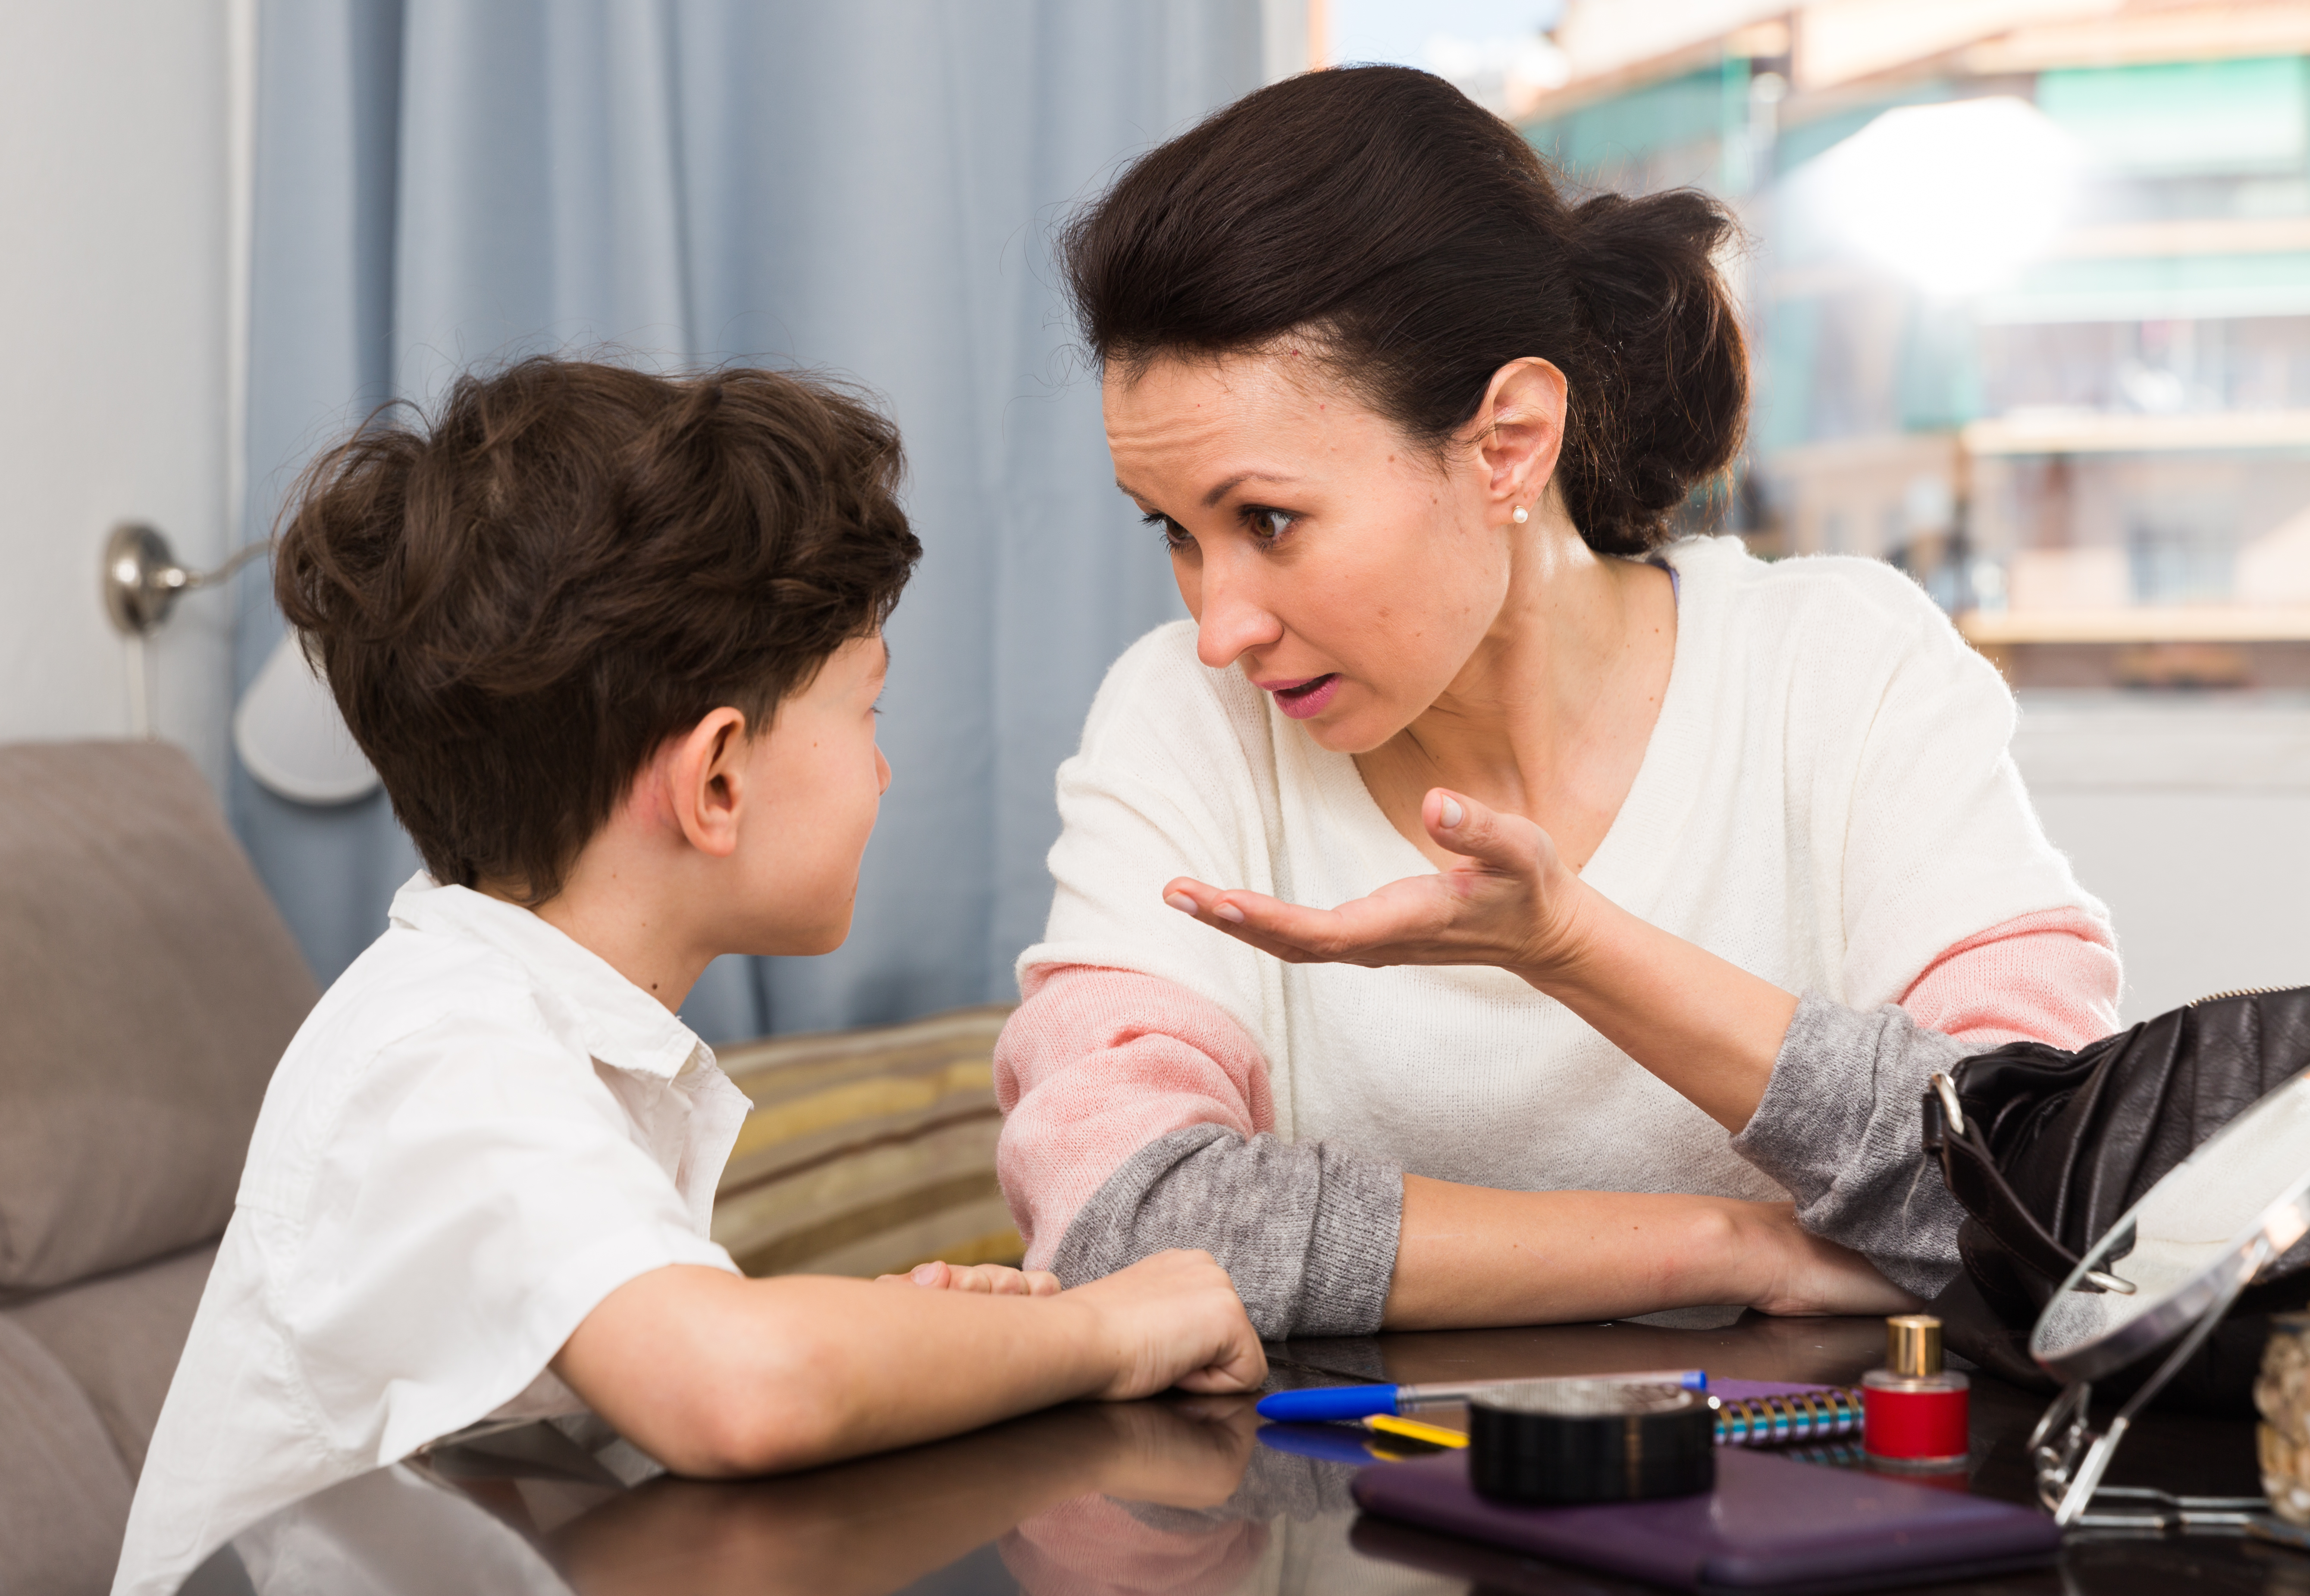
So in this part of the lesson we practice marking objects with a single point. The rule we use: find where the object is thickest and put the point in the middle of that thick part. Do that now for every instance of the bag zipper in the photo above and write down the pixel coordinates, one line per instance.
(2215, 997)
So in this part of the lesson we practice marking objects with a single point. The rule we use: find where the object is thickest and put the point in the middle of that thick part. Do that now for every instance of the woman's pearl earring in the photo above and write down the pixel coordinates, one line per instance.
(1522, 515)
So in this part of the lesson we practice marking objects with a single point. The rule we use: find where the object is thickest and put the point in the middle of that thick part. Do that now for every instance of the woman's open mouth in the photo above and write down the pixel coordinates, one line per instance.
(1301, 699)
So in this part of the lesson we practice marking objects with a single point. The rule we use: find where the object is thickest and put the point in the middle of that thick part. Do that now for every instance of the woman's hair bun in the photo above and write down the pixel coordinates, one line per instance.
(1427, 244)
(1669, 373)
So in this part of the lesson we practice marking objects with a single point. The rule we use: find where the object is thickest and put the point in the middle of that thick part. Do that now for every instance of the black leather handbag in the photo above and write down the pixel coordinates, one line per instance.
(2056, 1146)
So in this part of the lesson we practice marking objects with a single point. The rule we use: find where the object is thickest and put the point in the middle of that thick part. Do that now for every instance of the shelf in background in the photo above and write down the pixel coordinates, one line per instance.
(2204, 623)
(2185, 236)
(2087, 432)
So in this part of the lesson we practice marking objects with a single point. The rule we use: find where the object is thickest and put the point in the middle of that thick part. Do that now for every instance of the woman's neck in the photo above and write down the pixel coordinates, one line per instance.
(1551, 716)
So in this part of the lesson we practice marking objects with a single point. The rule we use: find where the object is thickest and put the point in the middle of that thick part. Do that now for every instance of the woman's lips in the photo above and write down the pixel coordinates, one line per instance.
(1303, 699)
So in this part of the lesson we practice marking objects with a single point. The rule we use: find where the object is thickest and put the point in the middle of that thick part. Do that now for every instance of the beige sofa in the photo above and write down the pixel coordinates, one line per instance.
(147, 986)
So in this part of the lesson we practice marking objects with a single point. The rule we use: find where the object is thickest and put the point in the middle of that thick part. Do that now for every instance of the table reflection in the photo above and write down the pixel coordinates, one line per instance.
(1176, 1496)
(1129, 1496)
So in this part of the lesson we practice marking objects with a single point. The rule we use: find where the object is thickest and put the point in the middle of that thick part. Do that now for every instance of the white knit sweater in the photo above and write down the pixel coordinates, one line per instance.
(1827, 801)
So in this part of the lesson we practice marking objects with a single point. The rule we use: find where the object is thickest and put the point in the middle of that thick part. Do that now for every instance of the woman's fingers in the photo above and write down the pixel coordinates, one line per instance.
(1383, 928)
(1508, 843)
(1287, 931)
(1502, 902)
(995, 1279)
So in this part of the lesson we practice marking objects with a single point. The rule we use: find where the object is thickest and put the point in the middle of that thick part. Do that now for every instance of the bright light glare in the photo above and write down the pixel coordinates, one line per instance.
(1954, 196)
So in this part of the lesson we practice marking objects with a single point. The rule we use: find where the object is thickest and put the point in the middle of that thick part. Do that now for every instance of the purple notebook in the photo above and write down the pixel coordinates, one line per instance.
(1770, 1525)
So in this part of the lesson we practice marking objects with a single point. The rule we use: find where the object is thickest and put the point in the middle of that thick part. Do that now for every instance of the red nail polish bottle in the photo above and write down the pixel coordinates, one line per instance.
(1915, 1413)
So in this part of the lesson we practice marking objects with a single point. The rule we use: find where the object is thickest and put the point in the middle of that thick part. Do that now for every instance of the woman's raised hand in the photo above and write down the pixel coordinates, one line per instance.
(1506, 900)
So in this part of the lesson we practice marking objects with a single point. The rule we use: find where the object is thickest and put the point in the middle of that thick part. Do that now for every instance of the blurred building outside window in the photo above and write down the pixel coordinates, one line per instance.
(2027, 283)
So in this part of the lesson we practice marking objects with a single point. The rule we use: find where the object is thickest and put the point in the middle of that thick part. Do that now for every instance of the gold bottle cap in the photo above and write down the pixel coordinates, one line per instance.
(1912, 1344)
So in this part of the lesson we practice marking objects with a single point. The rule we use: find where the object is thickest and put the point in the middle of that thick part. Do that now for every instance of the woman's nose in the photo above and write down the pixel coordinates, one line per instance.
(1232, 619)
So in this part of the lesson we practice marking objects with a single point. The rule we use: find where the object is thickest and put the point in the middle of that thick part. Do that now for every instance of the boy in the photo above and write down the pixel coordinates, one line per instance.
(613, 643)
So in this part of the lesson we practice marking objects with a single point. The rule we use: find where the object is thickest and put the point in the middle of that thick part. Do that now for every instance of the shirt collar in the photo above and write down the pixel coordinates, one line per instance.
(624, 1027)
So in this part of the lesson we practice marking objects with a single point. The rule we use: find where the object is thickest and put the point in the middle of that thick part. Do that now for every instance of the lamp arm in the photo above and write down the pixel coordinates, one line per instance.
(179, 577)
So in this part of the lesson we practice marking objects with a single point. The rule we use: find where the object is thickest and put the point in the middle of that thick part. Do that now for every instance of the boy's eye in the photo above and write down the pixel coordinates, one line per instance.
(1175, 536)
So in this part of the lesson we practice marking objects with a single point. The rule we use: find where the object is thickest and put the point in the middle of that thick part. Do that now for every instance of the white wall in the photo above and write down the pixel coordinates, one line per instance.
(2190, 817)
(114, 207)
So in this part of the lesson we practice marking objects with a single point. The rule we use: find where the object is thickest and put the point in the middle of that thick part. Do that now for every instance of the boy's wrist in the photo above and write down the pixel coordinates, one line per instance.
(1092, 1351)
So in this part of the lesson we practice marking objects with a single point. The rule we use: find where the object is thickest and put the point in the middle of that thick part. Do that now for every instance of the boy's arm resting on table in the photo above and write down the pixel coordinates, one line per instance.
(713, 1374)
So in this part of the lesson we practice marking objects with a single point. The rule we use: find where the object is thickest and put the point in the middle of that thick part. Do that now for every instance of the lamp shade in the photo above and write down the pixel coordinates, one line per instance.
(292, 737)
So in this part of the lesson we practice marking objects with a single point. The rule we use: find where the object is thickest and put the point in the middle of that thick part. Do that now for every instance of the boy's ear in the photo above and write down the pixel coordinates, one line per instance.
(704, 776)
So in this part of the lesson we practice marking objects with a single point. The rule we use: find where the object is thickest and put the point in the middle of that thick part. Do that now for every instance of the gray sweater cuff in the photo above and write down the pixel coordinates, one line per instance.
(1308, 1231)
(1838, 1126)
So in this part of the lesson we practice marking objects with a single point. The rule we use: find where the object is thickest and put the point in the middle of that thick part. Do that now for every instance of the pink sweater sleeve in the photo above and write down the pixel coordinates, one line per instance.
(1095, 1064)
(2051, 977)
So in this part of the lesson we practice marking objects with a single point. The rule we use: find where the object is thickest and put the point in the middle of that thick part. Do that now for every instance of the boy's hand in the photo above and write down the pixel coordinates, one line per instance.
(993, 1279)
(1801, 1274)
(1189, 1451)
(1173, 1319)
(1508, 900)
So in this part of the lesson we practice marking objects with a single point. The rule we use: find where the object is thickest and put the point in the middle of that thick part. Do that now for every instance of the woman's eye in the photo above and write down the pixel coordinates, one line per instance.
(1266, 525)
(1175, 536)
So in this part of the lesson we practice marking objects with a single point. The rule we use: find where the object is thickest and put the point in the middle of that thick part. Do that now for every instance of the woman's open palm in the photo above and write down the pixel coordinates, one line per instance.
(1506, 900)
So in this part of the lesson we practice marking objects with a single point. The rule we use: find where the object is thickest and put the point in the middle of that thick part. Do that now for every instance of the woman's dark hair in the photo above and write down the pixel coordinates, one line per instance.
(1423, 244)
(517, 604)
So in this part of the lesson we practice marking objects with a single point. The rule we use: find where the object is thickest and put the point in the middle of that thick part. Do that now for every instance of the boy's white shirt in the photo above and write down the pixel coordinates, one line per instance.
(481, 1131)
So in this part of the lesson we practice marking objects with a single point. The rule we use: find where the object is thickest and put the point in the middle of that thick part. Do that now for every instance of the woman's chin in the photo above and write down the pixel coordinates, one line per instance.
(1348, 734)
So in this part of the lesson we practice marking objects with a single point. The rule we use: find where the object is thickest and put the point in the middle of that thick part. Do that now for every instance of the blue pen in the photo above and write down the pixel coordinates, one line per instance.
(1319, 1402)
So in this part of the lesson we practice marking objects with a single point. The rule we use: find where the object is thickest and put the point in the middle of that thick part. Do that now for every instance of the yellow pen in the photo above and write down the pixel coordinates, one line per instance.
(1435, 1434)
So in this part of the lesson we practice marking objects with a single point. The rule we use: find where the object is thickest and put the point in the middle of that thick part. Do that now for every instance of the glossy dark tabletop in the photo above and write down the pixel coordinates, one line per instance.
(1173, 1496)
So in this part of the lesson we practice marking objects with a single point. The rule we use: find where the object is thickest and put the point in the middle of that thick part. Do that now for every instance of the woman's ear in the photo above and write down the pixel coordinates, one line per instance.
(704, 777)
(1518, 431)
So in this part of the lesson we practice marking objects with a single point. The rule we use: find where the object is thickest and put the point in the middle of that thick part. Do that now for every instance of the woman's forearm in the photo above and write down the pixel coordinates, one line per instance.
(1703, 1025)
(1471, 1255)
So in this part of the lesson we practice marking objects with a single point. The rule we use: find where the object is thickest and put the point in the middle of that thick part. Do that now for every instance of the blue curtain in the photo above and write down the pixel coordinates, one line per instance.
(865, 188)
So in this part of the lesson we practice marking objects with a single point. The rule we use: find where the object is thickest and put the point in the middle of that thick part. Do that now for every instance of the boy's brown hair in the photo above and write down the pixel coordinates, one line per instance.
(518, 604)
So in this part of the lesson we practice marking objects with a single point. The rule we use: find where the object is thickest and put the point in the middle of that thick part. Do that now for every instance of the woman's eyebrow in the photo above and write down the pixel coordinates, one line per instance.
(1217, 493)
(1238, 480)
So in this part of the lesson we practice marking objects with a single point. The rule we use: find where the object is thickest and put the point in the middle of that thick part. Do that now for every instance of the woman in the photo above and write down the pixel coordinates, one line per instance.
(1596, 801)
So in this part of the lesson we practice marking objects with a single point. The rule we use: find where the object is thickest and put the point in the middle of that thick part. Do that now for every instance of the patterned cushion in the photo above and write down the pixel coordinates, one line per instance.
(868, 1151)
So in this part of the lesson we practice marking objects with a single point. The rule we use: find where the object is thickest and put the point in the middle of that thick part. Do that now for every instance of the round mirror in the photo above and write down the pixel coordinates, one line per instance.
(2234, 1207)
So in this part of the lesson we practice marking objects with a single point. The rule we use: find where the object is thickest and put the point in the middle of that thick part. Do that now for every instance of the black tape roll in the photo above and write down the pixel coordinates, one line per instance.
(1564, 1441)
